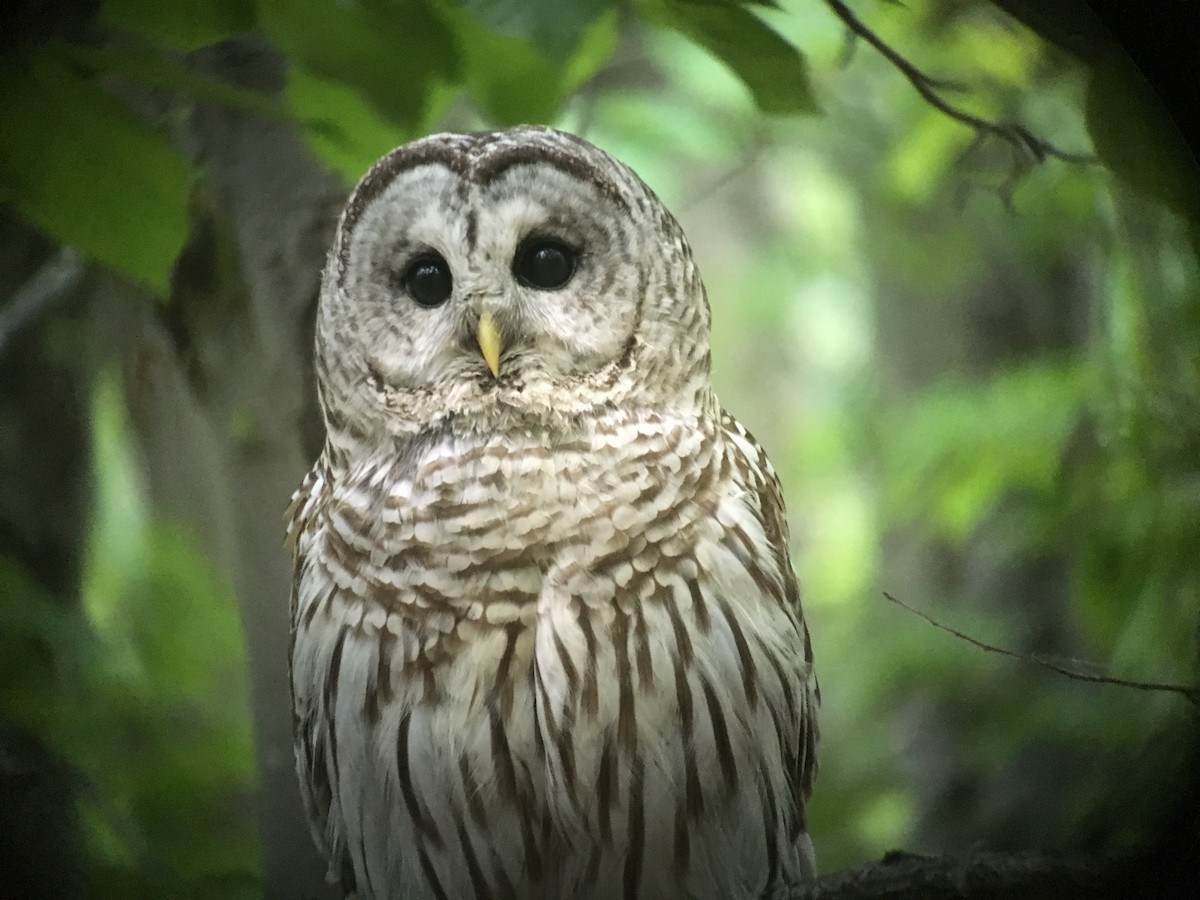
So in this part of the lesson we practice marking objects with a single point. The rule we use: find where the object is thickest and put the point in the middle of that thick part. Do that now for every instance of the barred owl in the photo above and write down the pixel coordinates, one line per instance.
(546, 637)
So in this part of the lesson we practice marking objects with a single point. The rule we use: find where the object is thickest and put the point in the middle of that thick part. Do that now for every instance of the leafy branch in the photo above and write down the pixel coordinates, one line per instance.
(1028, 149)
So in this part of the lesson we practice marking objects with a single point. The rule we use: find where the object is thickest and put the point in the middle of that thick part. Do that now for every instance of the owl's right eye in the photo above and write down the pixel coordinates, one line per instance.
(427, 279)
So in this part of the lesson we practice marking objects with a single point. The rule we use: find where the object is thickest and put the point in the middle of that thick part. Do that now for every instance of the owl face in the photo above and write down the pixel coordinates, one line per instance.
(508, 273)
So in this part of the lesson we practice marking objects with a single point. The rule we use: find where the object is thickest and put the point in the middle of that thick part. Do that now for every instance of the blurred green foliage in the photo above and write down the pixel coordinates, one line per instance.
(852, 259)
(69, 168)
(363, 76)
(142, 693)
(956, 449)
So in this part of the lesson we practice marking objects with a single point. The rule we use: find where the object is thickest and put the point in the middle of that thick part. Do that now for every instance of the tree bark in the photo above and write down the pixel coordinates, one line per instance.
(977, 876)
(44, 496)
(221, 395)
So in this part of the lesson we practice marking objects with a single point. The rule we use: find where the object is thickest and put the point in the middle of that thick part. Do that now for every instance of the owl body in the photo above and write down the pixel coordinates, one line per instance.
(547, 641)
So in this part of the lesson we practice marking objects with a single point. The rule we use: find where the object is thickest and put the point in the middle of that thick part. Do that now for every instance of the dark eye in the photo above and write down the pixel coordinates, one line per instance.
(427, 280)
(544, 263)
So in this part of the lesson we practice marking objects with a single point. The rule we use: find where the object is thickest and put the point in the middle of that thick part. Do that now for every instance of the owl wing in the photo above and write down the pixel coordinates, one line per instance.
(754, 469)
(311, 733)
(673, 673)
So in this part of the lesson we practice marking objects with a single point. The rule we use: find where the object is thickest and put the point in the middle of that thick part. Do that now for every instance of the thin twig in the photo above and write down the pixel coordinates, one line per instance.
(1027, 147)
(47, 286)
(849, 46)
(1192, 694)
(747, 159)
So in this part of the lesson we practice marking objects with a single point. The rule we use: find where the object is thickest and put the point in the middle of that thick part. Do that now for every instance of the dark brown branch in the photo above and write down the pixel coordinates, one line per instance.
(1192, 694)
(982, 875)
(1027, 147)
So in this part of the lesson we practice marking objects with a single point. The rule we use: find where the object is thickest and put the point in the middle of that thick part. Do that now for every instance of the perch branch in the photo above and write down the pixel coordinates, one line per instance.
(1192, 694)
(975, 876)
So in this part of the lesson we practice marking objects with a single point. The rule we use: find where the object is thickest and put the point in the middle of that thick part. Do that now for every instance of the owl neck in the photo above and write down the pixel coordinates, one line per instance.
(364, 415)
(406, 431)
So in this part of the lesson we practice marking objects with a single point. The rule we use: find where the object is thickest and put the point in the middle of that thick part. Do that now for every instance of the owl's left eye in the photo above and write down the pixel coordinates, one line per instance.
(544, 263)
(427, 280)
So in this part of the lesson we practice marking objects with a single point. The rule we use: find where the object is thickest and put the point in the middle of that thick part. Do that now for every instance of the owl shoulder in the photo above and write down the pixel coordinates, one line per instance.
(306, 502)
(754, 472)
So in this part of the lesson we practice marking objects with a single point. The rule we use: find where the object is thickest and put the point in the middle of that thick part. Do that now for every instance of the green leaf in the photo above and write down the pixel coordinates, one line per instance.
(513, 81)
(181, 24)
(508, 78)
(392, 54)
(83, 168)
(595, 46)
(775, 72)
(345, 132)
(150, 67)
(554, 27)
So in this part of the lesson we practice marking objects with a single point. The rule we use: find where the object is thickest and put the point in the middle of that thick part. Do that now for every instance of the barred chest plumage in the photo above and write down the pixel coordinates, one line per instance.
(554, 663)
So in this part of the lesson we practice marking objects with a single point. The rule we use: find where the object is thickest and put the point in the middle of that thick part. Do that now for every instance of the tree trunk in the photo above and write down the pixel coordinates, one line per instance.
(221, 394)
(44, 495)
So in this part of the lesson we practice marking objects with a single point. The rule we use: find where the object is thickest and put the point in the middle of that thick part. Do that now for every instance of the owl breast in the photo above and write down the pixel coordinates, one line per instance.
(557, 664)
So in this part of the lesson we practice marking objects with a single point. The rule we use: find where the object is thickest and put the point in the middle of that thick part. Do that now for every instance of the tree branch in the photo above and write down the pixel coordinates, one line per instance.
(984, 875)
(48, 285)
(1028, 149)
(1192, 694)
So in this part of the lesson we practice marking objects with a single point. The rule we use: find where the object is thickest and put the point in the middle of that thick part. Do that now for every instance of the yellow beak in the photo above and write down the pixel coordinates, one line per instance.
(488, 336)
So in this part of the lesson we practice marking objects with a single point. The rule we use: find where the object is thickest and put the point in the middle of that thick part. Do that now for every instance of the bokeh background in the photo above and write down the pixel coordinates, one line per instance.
(977, 372)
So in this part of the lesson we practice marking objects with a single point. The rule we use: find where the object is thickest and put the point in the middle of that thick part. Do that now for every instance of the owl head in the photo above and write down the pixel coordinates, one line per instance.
(505, 279)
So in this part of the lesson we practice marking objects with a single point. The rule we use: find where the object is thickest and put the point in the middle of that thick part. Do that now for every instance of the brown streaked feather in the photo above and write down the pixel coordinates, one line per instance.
(546, 638)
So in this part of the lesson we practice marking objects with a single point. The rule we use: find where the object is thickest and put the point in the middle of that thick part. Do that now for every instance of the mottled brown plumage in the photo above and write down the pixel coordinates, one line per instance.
(547, 640)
